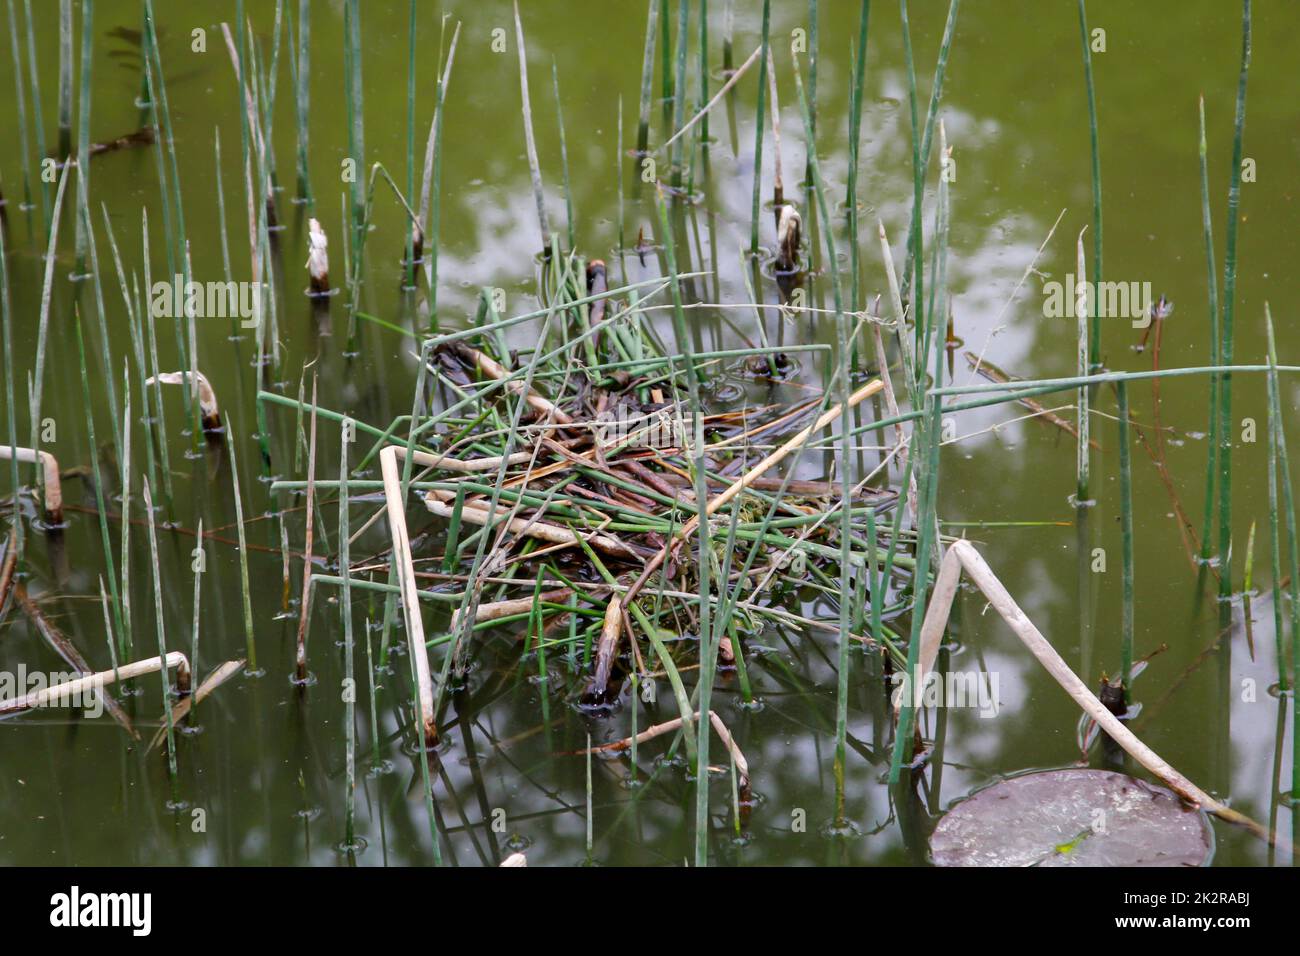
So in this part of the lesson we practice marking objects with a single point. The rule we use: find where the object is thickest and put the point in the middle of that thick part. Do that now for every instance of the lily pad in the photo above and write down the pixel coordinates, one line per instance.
(1072, 818)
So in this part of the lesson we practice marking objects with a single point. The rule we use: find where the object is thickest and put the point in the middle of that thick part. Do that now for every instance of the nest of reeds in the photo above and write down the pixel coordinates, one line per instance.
(569, 478)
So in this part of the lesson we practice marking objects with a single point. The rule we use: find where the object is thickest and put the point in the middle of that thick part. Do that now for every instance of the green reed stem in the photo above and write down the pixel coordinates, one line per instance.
(1229, 303)
(431, 190)
(100, 504)
(35, 77)
(410, 140)
(160, 623)
(1213, 445)
(534, 167)
(855, 143)
(88, 237)
(302, 99)
(47, 290)
(125, 636)
(709, 659)
(1278, 447)
(355, 111)
(921, 155)
(759, 117)
(846, 461)
(679, 87)
(345, 610)
(244, 589)
(200, 558)
(666, 61)
(163, 454)
(929, 434)
(6, 341)
(20, 98)
(1085, 305)
(65, 80)
(564, 153)
(1126, 523)
(647, 79)
(83, 131)
(704, 68)
(1094, 332)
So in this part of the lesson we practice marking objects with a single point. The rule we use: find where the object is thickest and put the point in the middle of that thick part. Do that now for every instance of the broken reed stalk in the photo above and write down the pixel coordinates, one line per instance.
(658, 730)
(534, 168)
(607, 648)
(1126, 524)
(305, 610)
(496, 610)
(207, 398)
(1212, 450)
(905, 343)
(405, 570)
(962, 555)
(704, 111)
(1094, 355)
(495, 370)
(1229, 304)
(60, 693)
(201, 693)
(52, 488)
(60, 644)
(437, 502)
(447, 463)
(318, 258)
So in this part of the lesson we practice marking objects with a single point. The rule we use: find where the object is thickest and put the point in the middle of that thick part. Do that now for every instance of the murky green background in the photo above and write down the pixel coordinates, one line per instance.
(268, 766)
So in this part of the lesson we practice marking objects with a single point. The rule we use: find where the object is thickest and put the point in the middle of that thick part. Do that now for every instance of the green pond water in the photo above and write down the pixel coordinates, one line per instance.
(267, 768)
